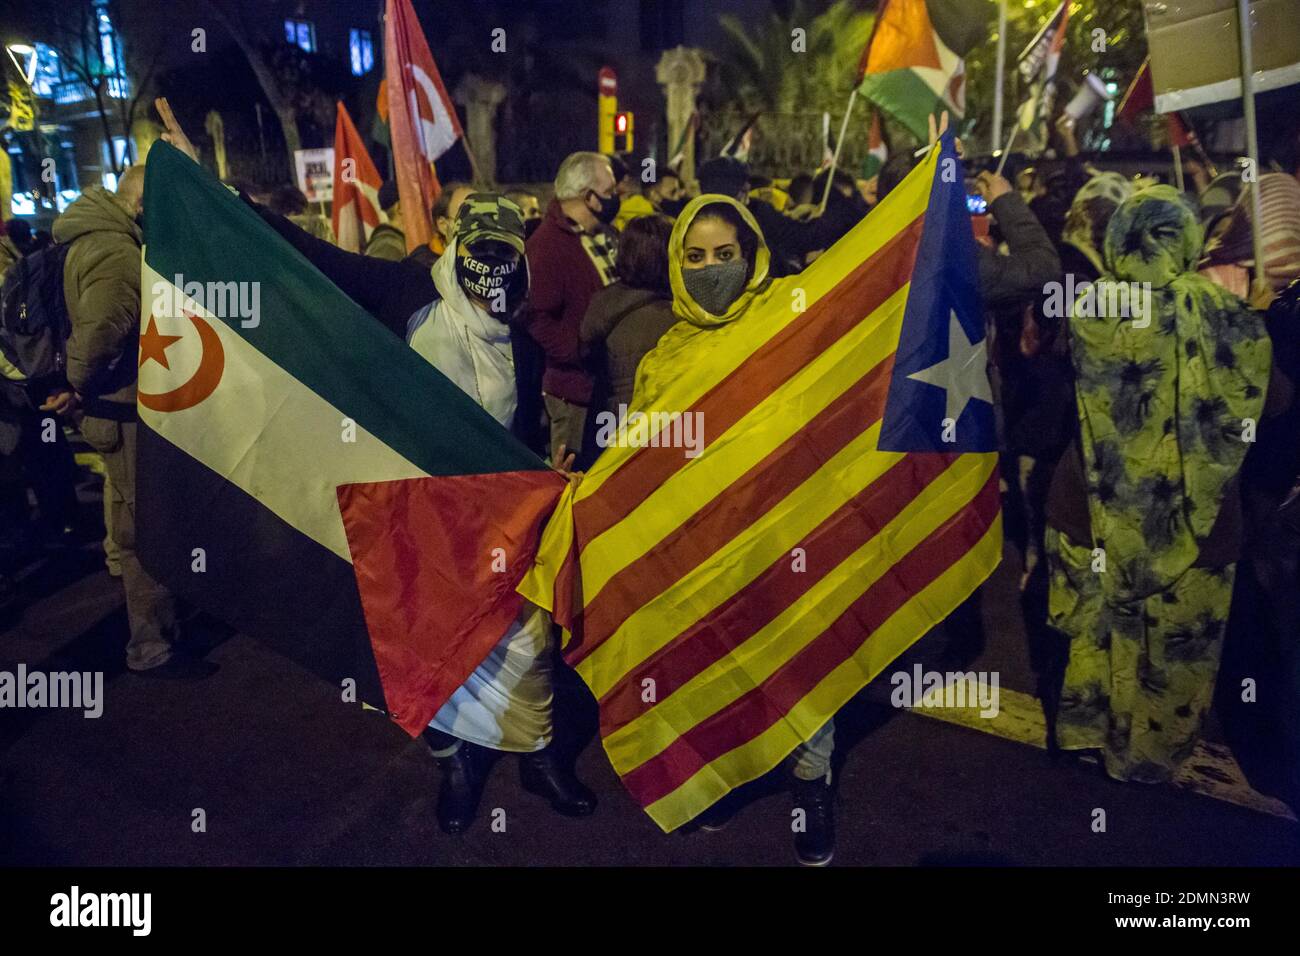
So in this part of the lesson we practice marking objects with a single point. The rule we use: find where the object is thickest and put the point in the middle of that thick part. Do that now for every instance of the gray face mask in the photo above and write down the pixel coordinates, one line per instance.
(715, 287)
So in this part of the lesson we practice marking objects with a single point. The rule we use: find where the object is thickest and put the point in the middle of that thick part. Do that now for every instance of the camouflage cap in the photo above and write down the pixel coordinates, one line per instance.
(490, 216)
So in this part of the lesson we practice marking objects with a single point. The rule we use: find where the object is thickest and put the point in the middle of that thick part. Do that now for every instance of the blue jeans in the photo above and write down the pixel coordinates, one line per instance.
(812, 760)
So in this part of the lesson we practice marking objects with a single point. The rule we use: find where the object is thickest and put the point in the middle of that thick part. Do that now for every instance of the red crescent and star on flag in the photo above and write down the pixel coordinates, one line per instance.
(204, 381)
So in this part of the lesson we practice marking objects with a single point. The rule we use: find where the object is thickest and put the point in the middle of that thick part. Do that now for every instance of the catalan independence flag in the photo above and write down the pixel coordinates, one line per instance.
(307, 477)
(722, 607)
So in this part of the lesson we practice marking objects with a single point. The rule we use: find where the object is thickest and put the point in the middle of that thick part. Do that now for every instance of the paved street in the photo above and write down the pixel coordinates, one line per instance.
(288, 774)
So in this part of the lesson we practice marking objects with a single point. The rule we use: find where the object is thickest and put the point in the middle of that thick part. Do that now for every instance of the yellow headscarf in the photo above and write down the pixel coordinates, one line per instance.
(685, 307)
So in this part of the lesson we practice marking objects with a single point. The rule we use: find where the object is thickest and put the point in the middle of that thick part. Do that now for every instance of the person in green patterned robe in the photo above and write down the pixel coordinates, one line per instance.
(1166, 405)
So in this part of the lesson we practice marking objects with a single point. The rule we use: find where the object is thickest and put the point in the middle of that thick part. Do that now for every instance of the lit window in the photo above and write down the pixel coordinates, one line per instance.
(47, 70)
(362, 52)
(301, 33)
(107, 43)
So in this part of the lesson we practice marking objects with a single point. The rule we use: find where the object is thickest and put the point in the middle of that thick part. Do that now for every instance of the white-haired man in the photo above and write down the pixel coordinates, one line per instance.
(570, 256)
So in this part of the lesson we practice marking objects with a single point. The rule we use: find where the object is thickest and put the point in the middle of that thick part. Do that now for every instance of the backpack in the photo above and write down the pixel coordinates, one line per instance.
(34, 319)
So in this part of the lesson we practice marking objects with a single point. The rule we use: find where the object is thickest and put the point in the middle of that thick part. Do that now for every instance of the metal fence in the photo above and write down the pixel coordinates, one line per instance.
(787, 143)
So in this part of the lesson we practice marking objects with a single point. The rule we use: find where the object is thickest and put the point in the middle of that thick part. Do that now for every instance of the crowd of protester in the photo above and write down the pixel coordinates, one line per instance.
(1150, 462)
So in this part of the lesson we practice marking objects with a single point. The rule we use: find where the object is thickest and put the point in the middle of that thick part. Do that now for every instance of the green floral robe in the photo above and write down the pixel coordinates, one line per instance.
(1166, 403)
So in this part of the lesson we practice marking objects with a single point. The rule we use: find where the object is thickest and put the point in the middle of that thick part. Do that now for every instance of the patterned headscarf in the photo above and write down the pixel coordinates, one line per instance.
(1164, 401)
(1094, 204)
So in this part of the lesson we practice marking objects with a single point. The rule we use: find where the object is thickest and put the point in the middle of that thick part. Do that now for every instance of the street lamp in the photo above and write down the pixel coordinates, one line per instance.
(28, 73)
(16, 50)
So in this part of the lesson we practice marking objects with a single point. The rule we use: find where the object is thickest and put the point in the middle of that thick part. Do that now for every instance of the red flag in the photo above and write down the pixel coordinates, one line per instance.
(1139, 97)
(1180, 134)
(356, 186)
(422, 119)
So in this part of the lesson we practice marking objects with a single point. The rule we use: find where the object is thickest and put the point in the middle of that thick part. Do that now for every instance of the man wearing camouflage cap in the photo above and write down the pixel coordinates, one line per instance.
(482, 283)
(458, 317)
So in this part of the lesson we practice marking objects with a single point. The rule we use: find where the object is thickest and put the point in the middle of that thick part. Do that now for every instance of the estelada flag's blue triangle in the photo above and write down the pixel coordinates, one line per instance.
(939, 396)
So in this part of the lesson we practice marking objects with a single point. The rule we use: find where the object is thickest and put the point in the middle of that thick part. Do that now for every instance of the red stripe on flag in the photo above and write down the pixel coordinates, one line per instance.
(851, 301)
(435, 596)
(756, 605)
(742, 503)
(746, 718)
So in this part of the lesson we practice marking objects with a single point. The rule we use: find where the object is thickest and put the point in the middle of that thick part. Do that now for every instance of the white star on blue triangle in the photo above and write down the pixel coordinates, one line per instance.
(941, 363)
(963, 375)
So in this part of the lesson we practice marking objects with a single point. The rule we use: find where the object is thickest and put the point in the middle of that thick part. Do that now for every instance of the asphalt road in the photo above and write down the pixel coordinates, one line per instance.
(285, 773)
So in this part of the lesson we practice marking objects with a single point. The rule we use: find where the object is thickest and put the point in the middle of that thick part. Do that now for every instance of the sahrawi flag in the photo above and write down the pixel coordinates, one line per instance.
(306, 476)
(356, 187)
(723, 607)
(1037, 65)
(913, 67)
(422, 121)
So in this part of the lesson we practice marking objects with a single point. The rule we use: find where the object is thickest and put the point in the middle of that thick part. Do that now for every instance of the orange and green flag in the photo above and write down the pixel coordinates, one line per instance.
(913, 66)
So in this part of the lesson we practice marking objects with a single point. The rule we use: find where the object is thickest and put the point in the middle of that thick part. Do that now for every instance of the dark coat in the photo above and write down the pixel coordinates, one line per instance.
(562, 281)
(622, 324)
(101, 284)
(1031, 261)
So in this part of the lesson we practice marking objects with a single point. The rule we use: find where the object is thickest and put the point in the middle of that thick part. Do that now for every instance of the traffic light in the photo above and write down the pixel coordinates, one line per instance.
(623, 131)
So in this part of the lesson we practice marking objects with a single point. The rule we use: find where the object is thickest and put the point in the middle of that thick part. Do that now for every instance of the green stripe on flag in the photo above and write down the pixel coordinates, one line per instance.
(905, 96)
(196, 228)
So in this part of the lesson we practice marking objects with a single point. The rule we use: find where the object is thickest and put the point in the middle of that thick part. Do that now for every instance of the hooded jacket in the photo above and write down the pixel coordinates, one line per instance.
(101, 283)
(699, 330)
(464, 343)
(387, 242)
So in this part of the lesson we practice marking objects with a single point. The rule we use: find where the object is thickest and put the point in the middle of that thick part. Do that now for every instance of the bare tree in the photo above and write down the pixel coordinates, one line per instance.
(141, 68)
(96, 55)
(230, 14)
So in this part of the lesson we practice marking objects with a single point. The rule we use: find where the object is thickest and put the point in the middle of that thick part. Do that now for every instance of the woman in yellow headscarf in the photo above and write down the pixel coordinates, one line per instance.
(718, 268)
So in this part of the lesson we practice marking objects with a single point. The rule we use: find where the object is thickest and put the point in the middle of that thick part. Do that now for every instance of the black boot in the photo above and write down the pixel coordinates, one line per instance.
(461, 788)
(543, 773)
(816, 844)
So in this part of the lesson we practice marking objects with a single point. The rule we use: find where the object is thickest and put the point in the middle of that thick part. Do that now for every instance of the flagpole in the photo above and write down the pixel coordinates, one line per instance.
(1001, 72)
(839, 144)
(473, 163)
(1252, 141)
(1007, 150)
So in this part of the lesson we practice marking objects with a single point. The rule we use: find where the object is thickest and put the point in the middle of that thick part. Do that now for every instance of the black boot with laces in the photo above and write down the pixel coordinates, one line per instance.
(815, 845)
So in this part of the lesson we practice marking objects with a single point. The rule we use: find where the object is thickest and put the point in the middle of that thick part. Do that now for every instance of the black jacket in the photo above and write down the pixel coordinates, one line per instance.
(1031, 261)
(789, 240)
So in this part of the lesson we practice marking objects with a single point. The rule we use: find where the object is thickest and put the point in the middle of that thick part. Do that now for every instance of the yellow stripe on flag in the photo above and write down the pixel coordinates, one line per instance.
(763, 653)
(895, 636)
(745, 444)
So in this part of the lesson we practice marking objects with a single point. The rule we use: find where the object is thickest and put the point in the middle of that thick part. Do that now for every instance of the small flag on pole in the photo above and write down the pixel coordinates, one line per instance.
(1038, 64)
(912, 66)
(877, 150)
(422, 120)
(356, 186)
